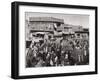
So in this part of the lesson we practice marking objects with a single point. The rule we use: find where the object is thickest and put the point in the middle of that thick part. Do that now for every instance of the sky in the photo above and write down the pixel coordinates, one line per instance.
(73, 19)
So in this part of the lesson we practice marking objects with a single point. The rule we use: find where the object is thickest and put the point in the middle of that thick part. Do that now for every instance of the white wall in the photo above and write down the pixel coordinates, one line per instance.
(5, 40)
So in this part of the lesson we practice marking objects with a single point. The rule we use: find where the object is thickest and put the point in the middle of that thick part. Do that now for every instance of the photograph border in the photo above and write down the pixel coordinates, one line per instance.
(15, 39)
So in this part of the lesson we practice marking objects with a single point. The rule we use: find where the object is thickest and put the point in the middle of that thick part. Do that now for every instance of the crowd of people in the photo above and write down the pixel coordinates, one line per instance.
(50, 52)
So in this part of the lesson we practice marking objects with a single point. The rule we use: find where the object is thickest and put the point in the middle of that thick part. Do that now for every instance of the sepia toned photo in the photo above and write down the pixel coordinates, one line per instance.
(56, 39)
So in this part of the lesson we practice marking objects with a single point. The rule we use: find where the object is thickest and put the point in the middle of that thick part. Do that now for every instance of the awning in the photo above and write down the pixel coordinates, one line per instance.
(40, 33)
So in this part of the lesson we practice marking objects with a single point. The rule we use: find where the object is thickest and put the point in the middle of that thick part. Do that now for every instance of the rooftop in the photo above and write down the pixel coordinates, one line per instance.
(46, 19)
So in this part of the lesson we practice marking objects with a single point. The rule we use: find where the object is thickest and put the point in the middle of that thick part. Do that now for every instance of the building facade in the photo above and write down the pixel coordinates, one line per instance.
(51, 26)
